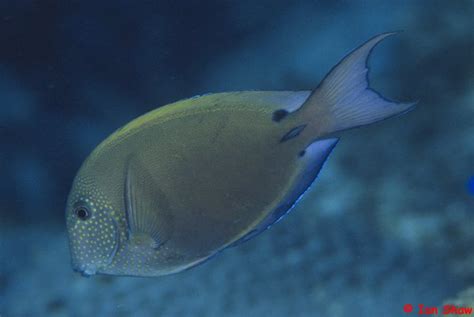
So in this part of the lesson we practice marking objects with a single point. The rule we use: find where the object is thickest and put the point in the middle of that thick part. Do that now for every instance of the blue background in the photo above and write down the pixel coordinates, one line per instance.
(388, 222)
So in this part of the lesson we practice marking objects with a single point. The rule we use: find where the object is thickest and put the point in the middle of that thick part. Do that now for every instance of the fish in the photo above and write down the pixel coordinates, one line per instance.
(470, 185)
(176, 186)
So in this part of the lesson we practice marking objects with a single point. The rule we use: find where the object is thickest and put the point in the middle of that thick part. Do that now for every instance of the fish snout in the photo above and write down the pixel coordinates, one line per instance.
(85, 271)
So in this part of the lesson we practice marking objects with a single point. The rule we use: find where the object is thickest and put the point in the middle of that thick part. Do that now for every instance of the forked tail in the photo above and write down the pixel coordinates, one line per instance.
(344, 99)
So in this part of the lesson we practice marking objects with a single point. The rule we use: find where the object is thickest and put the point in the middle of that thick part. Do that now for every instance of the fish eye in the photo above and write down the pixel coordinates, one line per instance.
(82, 213)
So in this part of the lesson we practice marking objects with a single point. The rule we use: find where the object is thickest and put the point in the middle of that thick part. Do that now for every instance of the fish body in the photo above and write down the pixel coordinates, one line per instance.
(177, 185)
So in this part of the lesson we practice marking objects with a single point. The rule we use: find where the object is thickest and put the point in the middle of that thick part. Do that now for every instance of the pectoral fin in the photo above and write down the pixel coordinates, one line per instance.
(148, 218)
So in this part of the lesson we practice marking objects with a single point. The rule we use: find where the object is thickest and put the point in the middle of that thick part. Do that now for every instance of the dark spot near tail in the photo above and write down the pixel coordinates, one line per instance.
(302, 153)
(278, 115)
(293, 133)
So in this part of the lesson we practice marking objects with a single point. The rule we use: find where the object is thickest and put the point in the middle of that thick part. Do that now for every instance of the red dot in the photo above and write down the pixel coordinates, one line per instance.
(408, 308)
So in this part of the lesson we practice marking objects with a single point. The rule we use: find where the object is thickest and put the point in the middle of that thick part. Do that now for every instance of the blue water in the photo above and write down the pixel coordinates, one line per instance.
(387, 223)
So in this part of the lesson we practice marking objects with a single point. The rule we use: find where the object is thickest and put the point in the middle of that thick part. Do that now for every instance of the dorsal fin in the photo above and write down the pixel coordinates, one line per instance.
(149, 219)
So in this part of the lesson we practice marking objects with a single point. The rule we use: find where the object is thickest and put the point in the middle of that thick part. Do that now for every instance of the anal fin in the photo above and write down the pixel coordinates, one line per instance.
(311, 161)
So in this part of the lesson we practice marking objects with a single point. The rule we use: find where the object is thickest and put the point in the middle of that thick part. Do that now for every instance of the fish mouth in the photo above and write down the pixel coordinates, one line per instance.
(85, 271)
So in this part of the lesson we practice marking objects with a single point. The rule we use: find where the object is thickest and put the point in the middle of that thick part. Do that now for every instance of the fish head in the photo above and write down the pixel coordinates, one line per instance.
(92, 227)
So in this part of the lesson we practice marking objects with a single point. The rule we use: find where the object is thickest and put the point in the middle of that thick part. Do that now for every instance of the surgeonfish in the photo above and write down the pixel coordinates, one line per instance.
(183, 182)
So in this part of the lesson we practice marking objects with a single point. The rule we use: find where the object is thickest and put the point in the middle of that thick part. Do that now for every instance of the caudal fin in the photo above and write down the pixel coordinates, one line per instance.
(344, 99)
